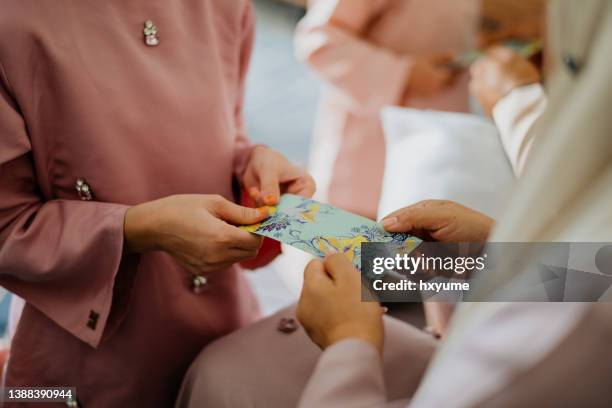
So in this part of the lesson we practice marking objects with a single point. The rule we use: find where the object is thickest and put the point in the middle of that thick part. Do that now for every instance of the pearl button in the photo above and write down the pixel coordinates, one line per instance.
(199, 283)
(150, 33)
(83, 189)
(287, 325)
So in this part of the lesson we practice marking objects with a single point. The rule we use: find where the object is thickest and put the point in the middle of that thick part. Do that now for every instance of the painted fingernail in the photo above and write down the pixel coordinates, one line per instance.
(331, 251)
(270, 199)
(387, 222)
(262, 211)
(254, 192)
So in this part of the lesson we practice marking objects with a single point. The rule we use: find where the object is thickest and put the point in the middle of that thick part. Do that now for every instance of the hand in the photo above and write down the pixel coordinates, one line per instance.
(498, 73)
(429, 75)
(440, 220)
(195, 230)
(269, 173)
(330, 306)
(446, 222)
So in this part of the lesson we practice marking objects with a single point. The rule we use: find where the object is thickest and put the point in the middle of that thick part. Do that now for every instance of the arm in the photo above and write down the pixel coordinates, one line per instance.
(348, 374)
(357, 341)
(508, 88)
(329, 40)
(62, 256)
(66, 257)
(514, 116)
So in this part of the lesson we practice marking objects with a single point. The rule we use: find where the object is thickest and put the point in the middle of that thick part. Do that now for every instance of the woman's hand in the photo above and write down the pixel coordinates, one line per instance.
(268, 174)
(330, 307)
(429, 75)
(498, 73)
(440, 220)
(195, 229)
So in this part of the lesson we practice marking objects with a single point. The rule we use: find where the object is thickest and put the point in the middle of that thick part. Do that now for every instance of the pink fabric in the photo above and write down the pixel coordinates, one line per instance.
(81, 95)
(363, 51)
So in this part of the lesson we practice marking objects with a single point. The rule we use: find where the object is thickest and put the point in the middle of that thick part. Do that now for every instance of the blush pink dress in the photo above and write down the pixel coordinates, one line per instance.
(83, 97)
(363, 51)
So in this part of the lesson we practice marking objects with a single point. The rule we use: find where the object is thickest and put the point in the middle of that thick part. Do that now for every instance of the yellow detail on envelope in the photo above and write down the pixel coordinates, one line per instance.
(253, 227)
(320, 228)
(330, 245)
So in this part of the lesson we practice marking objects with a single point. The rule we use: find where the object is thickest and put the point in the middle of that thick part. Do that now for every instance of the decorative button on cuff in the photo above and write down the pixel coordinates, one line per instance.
(92, 322)
(150, 34)
(199, 283)
(83, 189)
(287, 325)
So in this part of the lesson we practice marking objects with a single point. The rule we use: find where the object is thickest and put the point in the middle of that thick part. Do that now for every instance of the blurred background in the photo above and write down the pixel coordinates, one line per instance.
(281, 101)
(281, 93)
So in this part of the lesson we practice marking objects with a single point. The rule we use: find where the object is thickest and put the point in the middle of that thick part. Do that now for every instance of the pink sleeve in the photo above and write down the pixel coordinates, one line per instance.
(61, 256)
(349, 374)
(243, 146)
(328, 40)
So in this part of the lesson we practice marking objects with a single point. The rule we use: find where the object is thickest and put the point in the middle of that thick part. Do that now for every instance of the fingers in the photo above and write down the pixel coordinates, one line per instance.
(426, 215)
(303, 186)
(241, 254)
(236, 214)
(236, 239)
(314, 274)
(340, 269)
(269, 185)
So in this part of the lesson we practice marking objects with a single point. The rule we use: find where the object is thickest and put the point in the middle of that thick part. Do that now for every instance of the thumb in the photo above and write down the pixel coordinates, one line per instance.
(269, 185)
(426, 215)
(314, 274)
(238, 215)
(340, 268)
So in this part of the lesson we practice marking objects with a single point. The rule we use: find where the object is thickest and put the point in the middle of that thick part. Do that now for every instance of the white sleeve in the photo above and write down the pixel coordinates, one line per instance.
(514, 116)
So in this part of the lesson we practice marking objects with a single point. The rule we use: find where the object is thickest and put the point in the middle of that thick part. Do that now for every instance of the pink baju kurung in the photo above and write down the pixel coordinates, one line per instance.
(363, 51)
(83, 96)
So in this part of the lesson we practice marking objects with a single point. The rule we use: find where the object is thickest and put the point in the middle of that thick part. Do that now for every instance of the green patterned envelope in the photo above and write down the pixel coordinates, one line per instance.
(320, 229)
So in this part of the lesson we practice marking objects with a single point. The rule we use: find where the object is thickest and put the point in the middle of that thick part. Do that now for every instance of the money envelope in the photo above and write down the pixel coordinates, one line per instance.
(320, 229)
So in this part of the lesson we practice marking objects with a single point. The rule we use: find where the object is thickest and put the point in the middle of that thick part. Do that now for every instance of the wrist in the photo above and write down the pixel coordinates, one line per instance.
(139, 229)
(371, 335)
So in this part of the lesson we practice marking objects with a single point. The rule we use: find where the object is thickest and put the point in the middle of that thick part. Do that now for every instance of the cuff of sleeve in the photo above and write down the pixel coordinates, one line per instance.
(110, 286)
(393, 91)
(356, 368)
(514, 115)
(73, 284)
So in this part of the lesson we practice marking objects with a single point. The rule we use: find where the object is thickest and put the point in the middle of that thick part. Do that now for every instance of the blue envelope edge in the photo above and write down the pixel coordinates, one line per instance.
(320, 229)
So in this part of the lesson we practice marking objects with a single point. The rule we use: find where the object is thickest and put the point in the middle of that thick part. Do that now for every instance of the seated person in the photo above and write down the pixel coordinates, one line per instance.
(496, 354)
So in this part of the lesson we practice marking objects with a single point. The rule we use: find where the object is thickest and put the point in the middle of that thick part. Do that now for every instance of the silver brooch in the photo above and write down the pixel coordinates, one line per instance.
(84, 191)
(150, 33)
(198, 284)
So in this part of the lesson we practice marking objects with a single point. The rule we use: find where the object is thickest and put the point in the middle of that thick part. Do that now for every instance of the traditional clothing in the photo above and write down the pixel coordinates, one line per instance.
(95, 116)
(363, 50)
(496, 354)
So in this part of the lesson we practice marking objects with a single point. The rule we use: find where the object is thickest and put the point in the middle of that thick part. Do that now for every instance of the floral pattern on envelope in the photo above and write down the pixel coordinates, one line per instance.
(319, 229)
